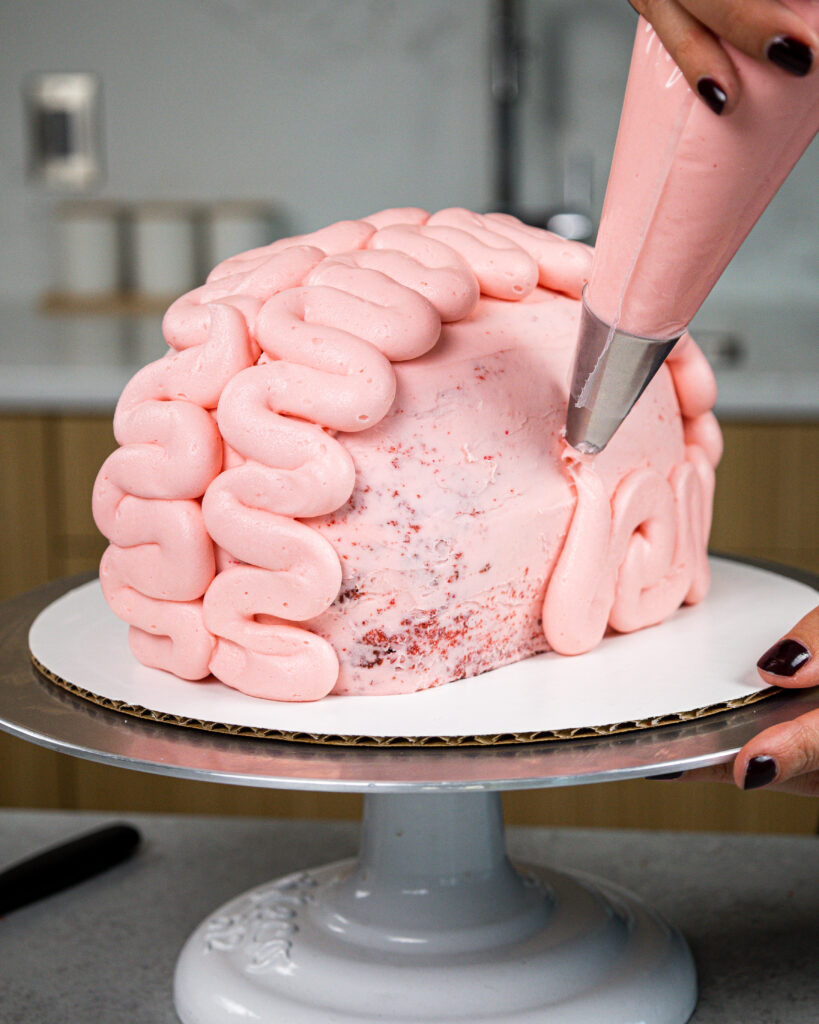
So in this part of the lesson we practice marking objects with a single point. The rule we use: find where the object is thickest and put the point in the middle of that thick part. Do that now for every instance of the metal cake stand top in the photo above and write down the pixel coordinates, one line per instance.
(34, 709)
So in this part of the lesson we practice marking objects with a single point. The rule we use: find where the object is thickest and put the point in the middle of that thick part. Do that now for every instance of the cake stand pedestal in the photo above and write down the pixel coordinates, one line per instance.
(431, 922)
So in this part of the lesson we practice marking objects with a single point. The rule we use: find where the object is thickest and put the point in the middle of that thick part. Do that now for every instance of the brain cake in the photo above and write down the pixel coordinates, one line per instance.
(348, 475)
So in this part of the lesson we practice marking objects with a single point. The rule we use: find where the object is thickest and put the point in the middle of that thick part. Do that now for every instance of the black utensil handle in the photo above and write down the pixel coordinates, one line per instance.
(65, 865)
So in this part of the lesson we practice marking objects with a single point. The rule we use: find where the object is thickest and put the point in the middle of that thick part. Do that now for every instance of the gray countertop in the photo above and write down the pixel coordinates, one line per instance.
(766, 357)
(105, 950)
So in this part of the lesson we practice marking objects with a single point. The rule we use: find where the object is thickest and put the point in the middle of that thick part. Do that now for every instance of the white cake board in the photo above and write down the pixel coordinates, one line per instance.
(700, 660)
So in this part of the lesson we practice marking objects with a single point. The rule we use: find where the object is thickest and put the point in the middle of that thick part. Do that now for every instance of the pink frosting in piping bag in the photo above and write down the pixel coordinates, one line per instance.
(686, 186)
(347, 475)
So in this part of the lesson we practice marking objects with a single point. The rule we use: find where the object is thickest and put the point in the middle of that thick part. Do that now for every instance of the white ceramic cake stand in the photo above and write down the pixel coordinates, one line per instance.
(431, 923)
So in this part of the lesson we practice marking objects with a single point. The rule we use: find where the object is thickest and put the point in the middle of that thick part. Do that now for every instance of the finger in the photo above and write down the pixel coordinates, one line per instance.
(714, 773)
(794, 659)
(784, 754)
(706, 66)
(764, 29)
(800, 785)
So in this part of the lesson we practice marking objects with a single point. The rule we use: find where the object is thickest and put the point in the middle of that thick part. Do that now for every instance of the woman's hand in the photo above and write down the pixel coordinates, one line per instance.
(693, 32)
(786, 756)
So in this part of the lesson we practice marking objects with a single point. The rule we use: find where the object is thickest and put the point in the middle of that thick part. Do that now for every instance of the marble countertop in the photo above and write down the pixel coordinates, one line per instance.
(105, 950)
(766, 358)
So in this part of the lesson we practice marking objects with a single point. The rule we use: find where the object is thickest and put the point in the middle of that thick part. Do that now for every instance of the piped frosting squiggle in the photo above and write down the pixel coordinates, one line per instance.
(325, 366)
(161, 560)
(631, 560)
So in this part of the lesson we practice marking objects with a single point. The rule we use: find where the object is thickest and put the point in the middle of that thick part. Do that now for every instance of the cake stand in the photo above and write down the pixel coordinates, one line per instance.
(431, 922)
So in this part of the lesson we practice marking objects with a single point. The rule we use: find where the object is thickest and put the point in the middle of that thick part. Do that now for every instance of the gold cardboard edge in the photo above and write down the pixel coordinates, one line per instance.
(490, 739)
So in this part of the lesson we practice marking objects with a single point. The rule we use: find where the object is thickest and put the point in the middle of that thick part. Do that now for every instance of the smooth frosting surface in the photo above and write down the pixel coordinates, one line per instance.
(348, 474)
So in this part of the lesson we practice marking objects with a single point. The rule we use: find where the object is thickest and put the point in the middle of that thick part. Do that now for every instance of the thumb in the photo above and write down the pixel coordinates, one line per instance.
(794, 659)
(786, 755)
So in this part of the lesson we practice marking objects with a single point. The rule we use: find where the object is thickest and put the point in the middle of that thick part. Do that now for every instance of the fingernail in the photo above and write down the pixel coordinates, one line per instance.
(665, 775)
(759, 772)
(713, 94)
(789, 54)
(785, 658)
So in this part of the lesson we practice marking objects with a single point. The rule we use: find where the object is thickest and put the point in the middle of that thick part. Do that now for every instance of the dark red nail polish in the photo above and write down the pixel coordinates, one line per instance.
(789, 54)
(785, 658)
(713, 94)
(760, 771)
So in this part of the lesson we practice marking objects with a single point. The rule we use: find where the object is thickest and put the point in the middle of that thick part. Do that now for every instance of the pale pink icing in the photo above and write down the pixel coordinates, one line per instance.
(630, 559)
(349, 476)
(686, 185)
(161, 558)
(326, 346)
(562, 266)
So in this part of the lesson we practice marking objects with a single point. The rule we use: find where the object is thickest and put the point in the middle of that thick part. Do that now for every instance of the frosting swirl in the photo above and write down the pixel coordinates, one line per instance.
(630, 561)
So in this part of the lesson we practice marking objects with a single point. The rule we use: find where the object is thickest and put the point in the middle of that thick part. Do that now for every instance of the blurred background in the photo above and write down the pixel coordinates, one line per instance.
(142, 142)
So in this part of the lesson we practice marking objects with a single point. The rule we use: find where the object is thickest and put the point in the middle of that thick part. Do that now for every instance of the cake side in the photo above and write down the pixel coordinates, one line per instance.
(464, 499)
(460, 505)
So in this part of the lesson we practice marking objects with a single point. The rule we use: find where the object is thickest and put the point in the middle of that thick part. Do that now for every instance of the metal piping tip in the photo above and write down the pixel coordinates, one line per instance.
(611, 370)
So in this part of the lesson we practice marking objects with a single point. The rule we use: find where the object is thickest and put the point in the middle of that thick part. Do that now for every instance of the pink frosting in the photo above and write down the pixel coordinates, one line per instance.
(687, 186)
(631, 559)
(348, 475)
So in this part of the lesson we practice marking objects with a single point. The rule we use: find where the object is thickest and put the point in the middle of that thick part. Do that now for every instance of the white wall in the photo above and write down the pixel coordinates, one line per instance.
(333, 108)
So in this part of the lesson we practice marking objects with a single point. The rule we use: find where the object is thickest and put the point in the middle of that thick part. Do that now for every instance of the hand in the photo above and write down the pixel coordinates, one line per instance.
(786, 756)
(693, 32)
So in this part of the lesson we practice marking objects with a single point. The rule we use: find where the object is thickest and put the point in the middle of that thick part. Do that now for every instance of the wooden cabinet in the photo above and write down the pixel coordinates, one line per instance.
(26, 507)
(766, 506)
(767, 498)
(47, 469)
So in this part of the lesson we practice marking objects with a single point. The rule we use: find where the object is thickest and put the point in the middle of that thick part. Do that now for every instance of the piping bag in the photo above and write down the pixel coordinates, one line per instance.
(686, 186)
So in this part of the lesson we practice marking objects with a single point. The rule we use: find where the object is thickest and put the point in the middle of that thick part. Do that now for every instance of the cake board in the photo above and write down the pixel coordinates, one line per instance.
(431, 922)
